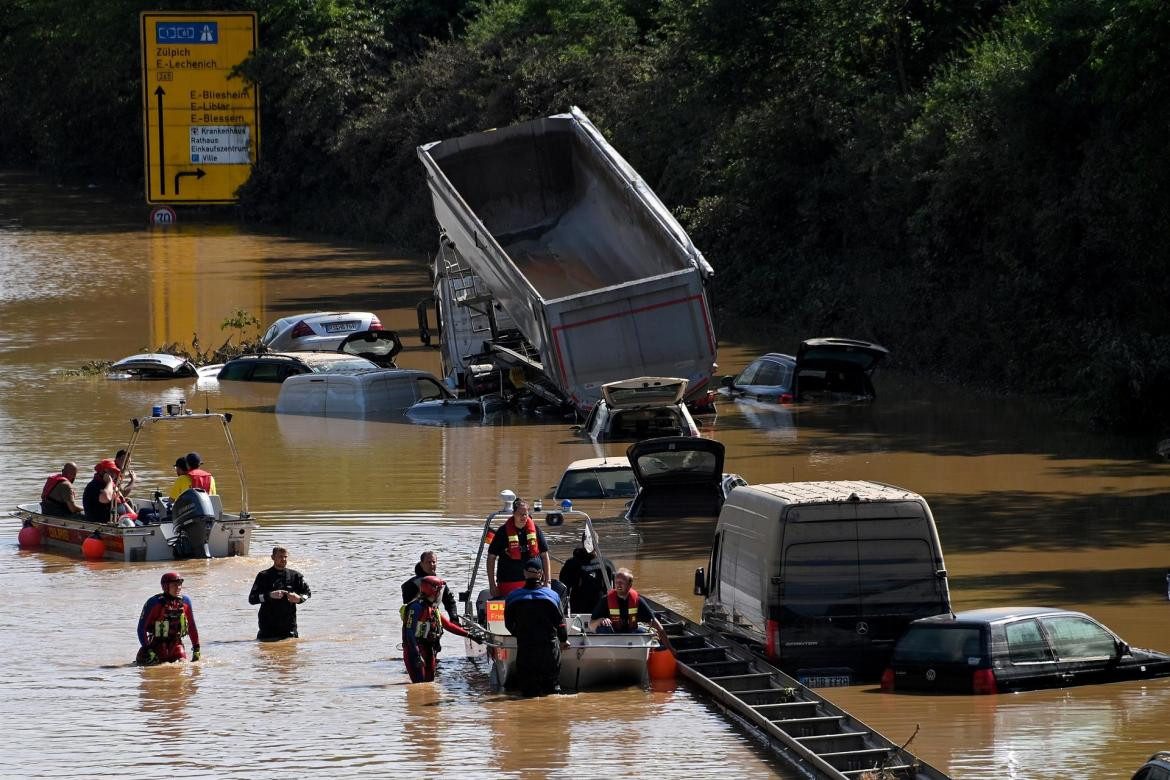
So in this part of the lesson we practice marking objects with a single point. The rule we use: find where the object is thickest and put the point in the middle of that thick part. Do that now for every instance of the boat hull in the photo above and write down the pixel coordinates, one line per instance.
(227, 537)
(591, 661)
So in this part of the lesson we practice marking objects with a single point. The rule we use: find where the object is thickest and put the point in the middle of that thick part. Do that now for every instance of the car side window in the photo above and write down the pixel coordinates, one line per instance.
(266, 372)
(237, 370)
(1026, 644)
(1075, 637)
(770, 373)
(429, 390)
(748, 375)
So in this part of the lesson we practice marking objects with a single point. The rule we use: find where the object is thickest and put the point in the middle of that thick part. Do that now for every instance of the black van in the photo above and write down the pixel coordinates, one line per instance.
(825, 576)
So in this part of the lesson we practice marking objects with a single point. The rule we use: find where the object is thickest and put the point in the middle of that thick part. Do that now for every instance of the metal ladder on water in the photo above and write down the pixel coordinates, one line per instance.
(812, 734)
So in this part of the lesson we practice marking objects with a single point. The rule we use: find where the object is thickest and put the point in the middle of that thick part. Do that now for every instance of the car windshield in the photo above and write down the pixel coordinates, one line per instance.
(351, 366)
(678, 462)
(940, 644)
(646, 423)
(597, 483)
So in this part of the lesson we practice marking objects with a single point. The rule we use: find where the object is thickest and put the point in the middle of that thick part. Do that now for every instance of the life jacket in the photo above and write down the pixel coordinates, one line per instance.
(51, 483)
(429, 627)
(630, 621)
(51, 505)
(200, 479)
(173, 624)
(514, 539)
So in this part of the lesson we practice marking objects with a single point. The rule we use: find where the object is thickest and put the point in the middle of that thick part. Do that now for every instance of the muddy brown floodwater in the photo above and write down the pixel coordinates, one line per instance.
(1029, 509)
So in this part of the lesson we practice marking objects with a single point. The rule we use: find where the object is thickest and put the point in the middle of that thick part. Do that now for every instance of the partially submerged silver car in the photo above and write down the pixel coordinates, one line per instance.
(641, 408)
(152, 365)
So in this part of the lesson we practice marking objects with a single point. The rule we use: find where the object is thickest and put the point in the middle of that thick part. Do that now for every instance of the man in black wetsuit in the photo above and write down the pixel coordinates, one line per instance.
(533, 615)
(428, 566)
(278, 590)
(582, 575)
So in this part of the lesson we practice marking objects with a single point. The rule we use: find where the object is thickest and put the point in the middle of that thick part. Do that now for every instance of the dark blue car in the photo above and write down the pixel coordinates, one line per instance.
(832, 369)
(1012, 649)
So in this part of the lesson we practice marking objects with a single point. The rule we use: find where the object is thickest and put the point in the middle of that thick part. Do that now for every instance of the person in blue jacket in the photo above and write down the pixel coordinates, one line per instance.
(533, 615)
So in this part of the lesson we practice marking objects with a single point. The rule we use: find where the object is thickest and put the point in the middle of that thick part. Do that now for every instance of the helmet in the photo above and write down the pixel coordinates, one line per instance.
(431, 588)
(107, 465)
(171, 576)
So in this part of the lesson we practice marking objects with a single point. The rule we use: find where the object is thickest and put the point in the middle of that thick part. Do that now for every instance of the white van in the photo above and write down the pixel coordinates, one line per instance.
(825, 576)
(391, 391)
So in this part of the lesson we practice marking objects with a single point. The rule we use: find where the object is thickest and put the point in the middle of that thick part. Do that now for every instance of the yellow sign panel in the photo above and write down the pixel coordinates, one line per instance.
(201, 129)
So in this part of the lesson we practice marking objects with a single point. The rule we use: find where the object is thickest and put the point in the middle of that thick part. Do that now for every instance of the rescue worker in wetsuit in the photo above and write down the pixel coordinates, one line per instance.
(101, 492)
(514, 542)
(582, 575)
(57, 496)
(167, 618)
(533, 615)
(422, 627)
(278, 589)
(620, 610)
(428, 566)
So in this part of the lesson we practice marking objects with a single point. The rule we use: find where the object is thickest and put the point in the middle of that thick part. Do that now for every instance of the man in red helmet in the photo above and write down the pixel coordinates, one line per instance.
(101, 492)
(166, 618)
(422, 626)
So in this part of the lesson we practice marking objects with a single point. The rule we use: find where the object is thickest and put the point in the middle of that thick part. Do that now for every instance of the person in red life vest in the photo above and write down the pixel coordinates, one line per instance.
(514, 542)
(57, 496)
(621, 610)
(422, 627)
(191, 476)
(166, 618)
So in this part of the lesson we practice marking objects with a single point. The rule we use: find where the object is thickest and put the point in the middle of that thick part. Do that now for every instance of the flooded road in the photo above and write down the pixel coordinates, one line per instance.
(1030, 511)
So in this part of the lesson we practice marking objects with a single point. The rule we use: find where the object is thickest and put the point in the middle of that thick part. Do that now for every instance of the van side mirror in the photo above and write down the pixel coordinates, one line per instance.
(727, 381)
(700, 582)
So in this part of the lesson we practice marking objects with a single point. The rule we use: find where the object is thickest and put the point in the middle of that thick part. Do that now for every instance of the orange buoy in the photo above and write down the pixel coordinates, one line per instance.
(93, 548)
(30, 536)
(661, 664)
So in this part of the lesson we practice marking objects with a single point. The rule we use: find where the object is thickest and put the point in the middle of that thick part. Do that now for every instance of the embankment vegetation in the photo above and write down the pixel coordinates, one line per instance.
(981, 186)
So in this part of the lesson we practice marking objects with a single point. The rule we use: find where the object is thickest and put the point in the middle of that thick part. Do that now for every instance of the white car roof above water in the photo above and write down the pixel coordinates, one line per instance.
(389, 390)
(761, 497)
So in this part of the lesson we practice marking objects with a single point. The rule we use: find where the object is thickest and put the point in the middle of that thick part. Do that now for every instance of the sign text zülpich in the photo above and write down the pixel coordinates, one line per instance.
(201, 127)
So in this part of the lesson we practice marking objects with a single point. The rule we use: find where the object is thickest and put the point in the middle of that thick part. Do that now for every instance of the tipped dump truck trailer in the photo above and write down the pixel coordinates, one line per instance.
(547, 227)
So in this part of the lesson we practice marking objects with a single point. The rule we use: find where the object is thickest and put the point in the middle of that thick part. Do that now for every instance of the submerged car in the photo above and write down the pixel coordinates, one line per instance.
(641, 408)
(383, 392)
(679, 476)
(823, 369)
(1012, 649)
(279, 366)
(152, 365)
(319, 330)
(613, 477)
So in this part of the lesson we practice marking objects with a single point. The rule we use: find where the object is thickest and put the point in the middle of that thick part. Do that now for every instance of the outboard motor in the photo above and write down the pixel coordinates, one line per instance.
(193, 515)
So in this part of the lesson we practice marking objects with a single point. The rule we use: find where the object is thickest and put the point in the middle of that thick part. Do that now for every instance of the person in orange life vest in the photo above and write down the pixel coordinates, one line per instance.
(620, 610)
(514, 542)
(191, 476)
(57, 496)
(166, 618)
(422, 627)
(101, 492)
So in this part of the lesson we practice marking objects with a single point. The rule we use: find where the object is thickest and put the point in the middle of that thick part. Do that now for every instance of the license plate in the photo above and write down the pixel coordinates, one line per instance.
(826, 680)
(341, 327)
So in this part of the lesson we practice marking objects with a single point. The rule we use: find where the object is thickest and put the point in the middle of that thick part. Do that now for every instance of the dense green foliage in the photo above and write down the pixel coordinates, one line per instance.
(981, 186)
